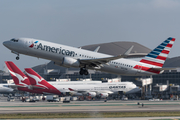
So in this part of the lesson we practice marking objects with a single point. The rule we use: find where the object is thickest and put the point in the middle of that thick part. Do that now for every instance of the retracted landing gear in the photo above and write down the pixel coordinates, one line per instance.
(17, 58)
(83, 71)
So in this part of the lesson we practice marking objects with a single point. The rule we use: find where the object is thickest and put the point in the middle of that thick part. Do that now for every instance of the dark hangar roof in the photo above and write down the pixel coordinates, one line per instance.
(172, 62)
(116, 48)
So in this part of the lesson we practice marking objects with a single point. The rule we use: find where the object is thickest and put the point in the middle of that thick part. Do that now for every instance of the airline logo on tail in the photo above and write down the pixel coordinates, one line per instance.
(36, 80)
(157, 57)
(18, 77)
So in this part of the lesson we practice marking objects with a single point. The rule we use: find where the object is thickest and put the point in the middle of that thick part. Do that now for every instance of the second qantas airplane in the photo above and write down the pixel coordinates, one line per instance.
(68, 56)
(91, 89)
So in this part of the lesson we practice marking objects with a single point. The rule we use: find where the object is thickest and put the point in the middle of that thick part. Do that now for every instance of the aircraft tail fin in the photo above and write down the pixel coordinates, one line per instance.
(157, 57)
(38, 81)
(34, 77)
(18, 76)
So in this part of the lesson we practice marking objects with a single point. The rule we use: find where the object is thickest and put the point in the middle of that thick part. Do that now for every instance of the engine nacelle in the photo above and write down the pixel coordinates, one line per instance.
(92, 94)
(104, 95)
(71, 62)
(68, 62)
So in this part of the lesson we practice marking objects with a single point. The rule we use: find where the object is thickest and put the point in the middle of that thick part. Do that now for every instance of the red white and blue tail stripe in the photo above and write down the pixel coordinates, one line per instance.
(157, 57)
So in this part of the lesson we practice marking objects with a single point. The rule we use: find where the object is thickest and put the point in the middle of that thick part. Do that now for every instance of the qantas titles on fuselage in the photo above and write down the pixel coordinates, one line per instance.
(68, 56)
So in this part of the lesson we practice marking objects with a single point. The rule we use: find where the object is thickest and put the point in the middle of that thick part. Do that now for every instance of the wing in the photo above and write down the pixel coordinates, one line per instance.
(76, 90)
(96, 62)
(99, 61)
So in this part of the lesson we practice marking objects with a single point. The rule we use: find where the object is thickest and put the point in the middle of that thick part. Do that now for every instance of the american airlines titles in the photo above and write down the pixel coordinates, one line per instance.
(55, 50)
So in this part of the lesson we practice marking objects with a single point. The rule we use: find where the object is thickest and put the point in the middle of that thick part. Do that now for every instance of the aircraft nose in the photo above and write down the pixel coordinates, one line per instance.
(6, 43)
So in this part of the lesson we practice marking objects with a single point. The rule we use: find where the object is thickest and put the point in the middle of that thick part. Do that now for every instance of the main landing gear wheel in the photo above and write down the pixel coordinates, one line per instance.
(17, 58)
(83, 71)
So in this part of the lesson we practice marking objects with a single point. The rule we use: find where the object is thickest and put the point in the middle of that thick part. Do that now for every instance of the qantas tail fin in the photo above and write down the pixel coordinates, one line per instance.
(18, 76)
(157, 57)
(35, 78)
(38, 82)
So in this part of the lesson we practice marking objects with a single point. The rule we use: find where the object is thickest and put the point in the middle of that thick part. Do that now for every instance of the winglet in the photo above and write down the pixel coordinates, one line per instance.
(97, 49)
(70, 89)
(129, 50)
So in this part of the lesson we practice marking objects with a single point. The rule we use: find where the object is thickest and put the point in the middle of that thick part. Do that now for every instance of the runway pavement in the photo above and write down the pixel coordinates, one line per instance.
(87, 106)
(134, 118)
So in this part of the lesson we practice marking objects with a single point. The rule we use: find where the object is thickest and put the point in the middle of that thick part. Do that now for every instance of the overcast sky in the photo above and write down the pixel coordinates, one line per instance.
(83, 22)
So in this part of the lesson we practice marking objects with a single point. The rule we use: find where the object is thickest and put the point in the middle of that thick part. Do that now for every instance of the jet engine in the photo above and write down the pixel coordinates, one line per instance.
(71, 62)
(92, 94)
(104, 95)
(68, 62)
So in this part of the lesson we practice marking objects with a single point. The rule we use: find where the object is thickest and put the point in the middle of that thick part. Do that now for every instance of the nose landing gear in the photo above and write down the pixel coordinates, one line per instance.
(17, 58)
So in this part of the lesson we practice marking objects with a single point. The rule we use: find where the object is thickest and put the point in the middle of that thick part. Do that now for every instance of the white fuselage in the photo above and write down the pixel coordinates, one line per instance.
(98, 88)
(57, 52)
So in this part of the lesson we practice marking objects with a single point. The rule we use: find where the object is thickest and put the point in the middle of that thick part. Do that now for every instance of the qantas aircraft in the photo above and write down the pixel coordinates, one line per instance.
(68, 56)
(22, 82)
(83, 88)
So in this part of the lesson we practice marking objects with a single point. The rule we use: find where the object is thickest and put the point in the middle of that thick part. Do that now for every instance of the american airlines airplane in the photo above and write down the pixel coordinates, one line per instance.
(68, 56)
(83, 88)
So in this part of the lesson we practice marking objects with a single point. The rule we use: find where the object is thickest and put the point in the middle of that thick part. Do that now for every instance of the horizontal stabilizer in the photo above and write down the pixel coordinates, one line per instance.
(37, 87)
(160, 69)
(15, 86)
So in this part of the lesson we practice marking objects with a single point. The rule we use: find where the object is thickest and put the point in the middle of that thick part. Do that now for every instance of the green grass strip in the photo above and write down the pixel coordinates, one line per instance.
(87, 115)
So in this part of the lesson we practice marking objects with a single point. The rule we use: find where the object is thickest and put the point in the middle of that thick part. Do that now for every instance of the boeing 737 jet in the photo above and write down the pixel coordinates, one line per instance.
(68, 56)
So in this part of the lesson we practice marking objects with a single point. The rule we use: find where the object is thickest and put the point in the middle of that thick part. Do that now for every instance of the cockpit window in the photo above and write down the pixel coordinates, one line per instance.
(14, 40)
